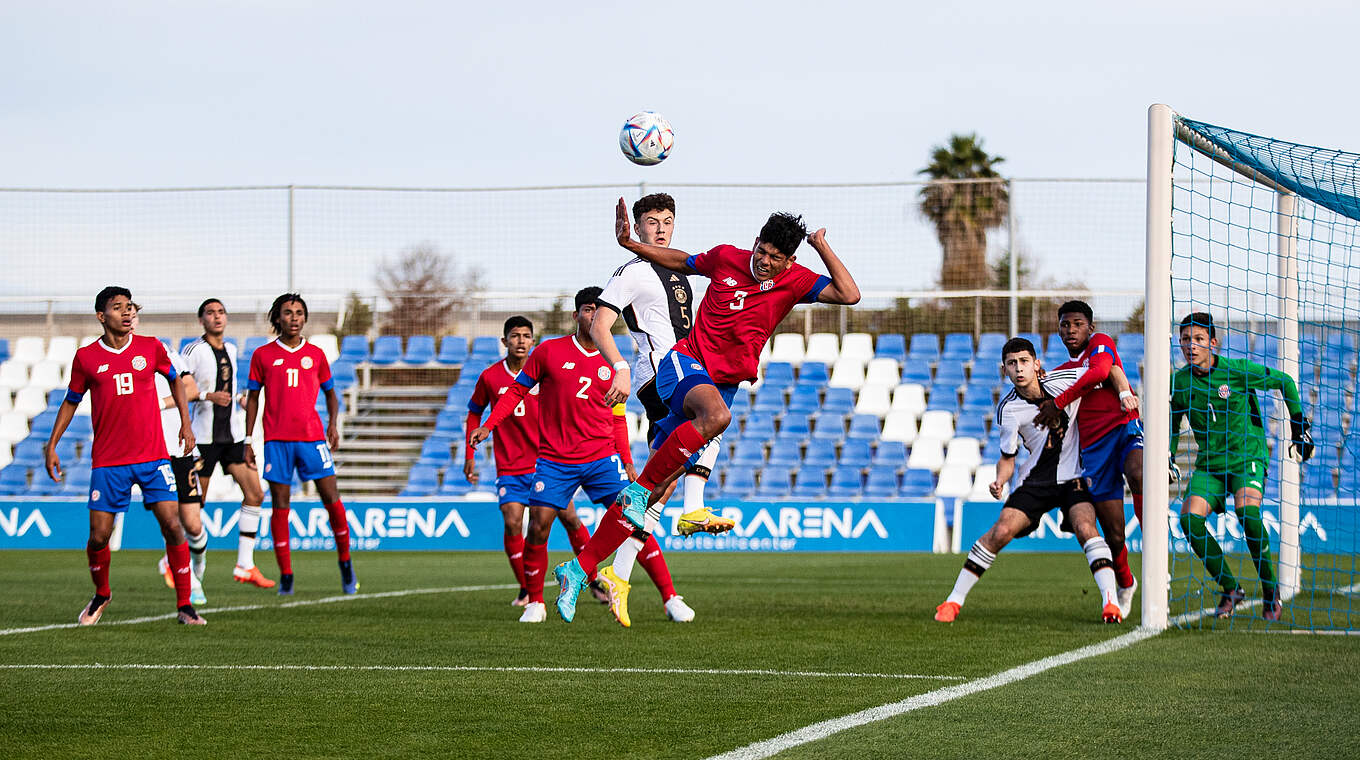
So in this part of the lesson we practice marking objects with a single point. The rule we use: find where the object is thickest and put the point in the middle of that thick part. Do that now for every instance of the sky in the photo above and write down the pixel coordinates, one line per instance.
(171, 94)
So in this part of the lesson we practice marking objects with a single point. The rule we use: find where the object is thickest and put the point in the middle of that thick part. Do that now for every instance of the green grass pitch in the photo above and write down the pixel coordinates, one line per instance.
(831, 635)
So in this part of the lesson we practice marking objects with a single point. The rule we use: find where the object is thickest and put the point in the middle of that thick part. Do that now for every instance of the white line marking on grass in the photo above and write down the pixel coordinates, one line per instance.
(480, 669)
(282, 605)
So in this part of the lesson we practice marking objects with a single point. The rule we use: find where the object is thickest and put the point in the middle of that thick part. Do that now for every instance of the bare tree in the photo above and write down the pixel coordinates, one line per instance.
(427, 291)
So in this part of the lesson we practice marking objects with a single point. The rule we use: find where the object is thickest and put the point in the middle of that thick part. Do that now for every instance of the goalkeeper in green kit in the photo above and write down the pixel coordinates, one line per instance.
(1219, 395)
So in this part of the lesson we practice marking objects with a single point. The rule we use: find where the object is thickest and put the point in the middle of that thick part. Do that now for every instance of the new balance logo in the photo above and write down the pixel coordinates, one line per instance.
(729, 281)
(277, 362)
(102, 368)
(531, 573)
(686, 452)
(568, 365)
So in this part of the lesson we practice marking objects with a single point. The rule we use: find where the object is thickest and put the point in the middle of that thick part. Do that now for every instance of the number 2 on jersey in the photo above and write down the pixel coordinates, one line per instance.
(585, 386)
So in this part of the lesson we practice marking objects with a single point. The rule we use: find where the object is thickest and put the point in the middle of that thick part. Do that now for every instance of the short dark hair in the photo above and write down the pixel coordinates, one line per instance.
(1077, 307)
(276, 311)
(516, 321)
(784, 231)
(587, 295)
(1199, 319)
(1016, 345)
(204, 306)
(101, 301)
(653, 202)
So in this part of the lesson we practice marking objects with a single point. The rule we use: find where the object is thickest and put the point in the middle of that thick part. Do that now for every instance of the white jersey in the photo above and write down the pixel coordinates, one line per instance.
(215, 370)
(657, 305)
(170, 417)
(1054, 455)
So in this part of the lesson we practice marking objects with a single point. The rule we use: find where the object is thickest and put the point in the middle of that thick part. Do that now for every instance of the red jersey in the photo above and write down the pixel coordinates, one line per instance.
(516, 439)
(124, 406)
(574, 425)
(1100, 410)
(291, 379)
(739, 312)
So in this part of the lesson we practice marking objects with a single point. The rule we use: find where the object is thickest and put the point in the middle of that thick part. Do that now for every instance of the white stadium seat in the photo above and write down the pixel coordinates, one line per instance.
(13, 427)
(875, 400)
(31, 401)
(46, 375)
(964, 452)
(6, 401)
(764, 354)
(788, 347)
(28, 350)
(937, 424)
(926, 454)
(956, 482)
(847, 373)
(6, 455)
(857, 346)
(61, 350)
(911, 398)
(328, 344)
(13, 375)
(982, 480)
(88, 339)
(823, 347)
(899, 426)
(882, 372)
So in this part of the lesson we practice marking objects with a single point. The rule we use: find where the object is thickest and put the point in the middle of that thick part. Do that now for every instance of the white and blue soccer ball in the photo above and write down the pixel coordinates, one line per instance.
(647, 138)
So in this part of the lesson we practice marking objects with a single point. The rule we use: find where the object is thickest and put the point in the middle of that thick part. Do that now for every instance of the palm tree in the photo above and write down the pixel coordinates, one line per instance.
(964, 198)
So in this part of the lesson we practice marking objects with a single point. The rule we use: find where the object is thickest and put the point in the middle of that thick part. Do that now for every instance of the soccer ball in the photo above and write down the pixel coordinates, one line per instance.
(647, 138)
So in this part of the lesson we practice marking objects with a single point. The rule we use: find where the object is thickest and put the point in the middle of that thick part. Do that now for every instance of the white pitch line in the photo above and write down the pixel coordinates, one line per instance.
(481, 669)
(282, 605)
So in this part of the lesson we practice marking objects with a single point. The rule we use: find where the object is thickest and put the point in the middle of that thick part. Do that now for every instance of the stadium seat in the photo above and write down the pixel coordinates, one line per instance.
(75, 481)
(839, 400)
(42, 485)
(4, 349)
(1052, 345)
(982, 480)
(749, 452)
(422, 481)
(958, 347)
(955, 482)
(435, 452)
(785, 452)
(909, 398)
(13, 427)
(453, 349)
(352, 347)
(925, 347)
(29, 452)
(486, 349)
(828, 426)
(450, 421)
(964, 452)
(972, 424)
(926, 454)
(741, 403)
(345, 375)
(917, 483)
(55, 397)
(891, 454)
(847, 373)
(822, 347)
(900, 427)
(328, 343)
(61, 349)
(458, 396)
(455, 486)
(989, 347)
(43, 424)
(769, 400)
(32, 401)
(810, 483)
(254, 342)
(855, 453)
(796, 425)
(28, 350)
(936, 424)
(787, 347)
(184, 342)
(66, 450)
(857, 346)
(820, 455)
(419, 350)
(814, 374)
(775, 482)
(875, 400)
(46, 375)
(13, 480)
(863, 426)
(882, 372)
(881, 484)
(386, 350)
(738, 482)
(917, 372)
(624, 344)
(950, 373)
(892, 346)
(846, 483)
(777, 376)
(805, 399)
(943, 398)
(977, 396)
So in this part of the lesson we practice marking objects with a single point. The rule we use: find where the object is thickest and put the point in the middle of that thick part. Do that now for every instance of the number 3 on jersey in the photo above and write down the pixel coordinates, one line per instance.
(739, 300)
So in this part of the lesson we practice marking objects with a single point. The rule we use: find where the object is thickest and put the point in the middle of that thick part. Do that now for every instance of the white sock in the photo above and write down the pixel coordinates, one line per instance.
(979, 559)
(198, 556)
(1102, 567)
(247, 527)
(695, 481)
(625, 557)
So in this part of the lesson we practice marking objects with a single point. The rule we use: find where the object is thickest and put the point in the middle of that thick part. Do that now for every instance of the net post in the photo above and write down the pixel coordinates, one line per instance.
(1014, 256)
(1157, 391)
(1286, 242)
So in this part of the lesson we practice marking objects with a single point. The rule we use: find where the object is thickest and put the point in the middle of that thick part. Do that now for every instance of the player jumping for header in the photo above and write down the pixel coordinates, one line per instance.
(749, 294)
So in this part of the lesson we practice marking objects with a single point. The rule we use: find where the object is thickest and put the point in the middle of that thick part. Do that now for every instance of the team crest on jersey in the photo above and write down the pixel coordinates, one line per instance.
(679, 295)
(94, 495)
(729, 281)
(696, 367)
(268, 467)
(502, 491)
(102, 368)
(604, 373)
(766, 285)
(139, 363)
(306, 362)
(1224, 392)
(538, 486)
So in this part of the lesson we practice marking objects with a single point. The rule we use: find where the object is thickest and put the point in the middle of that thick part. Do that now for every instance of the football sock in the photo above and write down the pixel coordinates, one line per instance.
(247, 527)
(610, 534)
(578, 538)
(278, 529)
(198, 557)
(99, 569)
(514, 549)
(1138, 507)
(339, 528)
(1207, 549)
(1102, 567)
(651, 560)
(626, 556)
(696, 478)
(178, 555)
(1122, 573)
(979, 559)
(1258, 542)
(671, 455)
(535, 565)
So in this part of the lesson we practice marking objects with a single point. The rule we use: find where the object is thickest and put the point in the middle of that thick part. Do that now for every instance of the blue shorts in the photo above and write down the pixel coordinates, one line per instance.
(555, 483)
(514, 488)
(1103, 461)
(676, 375)
(111, 487)
(311, 459)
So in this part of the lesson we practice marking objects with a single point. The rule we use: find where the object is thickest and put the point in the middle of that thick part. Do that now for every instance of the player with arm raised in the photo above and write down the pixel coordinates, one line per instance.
(749, 293)
(118, 371)
(583, 443)
(220, 426)
(657, 305)
(1218, 394)
(1051, 477)
(291, 371)
(1111, 433)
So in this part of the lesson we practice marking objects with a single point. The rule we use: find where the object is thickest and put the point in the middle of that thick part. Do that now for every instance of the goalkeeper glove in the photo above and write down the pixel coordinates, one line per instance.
(1174, 472)
(1301, 444)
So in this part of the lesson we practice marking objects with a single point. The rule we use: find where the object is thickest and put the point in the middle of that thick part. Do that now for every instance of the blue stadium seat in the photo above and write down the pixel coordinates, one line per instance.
(748, 453)
(819, 455)
(435, 452)
(890, 454)
(809, 484)
(632, 404)
(958, 346)
(971, 425)
(785, 453)
(352, 347)
(1052, 345)
(989, 346)
(422, 481)
(950, 373)
(738, 482)
(419, 349)
(916, 372)
(828, 427)
(42, 485)
(66, 450)
(943, 398)
(458, 397)
(455, 485)
(863, 426)
(450, 421)
(924, 347)
(917, 483)
(839, 401)
(624, 343)
(977, 396)
(805, 399)
(796, 425)
(1034, 338)
(778, 375)
(81, 427)
(855, 453)
(55, 397)
(640, 452)
(29, 452)
(183, 344)
(882, 483)
(891, 346)
(991, 449)
(4, 349)
(769, 399)
(741, 404)
(845, 483)
(775, 482)
(75, 481)
(453, 349)
(486, 348)
(386, 350)
(345, 374)
(1233, 344)
(1129, 342)
(759, 426)
(13, 479)
(814, 374)
(1317, 481)
(1266, 351)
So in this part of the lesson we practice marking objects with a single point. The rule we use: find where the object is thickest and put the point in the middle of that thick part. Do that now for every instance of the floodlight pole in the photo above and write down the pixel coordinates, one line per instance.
(1157, 389)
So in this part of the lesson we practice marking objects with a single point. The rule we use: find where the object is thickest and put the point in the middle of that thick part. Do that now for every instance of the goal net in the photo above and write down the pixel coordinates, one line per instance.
(1264, 238)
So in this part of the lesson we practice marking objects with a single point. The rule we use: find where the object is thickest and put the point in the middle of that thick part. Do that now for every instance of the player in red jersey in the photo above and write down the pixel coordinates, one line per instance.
(749, 293)
(119, 372)
(582, 442)
(292, 371)
(1111, 433)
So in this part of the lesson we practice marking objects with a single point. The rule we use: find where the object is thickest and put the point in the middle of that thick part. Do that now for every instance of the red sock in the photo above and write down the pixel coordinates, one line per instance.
(672, 455)
(610, 534)
(578, 538)
(340, 528)
(278, 527)
(1138, 507)
(651, 560)
(1122, 574)
(514, 549)
(178, 557)
(535, 567)
(99, 569)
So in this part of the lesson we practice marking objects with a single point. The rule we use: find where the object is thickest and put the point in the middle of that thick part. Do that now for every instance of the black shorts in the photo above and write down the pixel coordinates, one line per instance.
(186, 479)
(226, 453)
(1036, 500)
(657, 410)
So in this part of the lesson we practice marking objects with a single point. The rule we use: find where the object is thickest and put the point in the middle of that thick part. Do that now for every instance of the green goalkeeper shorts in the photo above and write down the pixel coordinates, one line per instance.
(1214, 486)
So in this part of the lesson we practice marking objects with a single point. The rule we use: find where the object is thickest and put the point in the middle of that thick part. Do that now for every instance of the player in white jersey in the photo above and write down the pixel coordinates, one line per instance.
(657, 306)
(1051, 477)
(219, 421)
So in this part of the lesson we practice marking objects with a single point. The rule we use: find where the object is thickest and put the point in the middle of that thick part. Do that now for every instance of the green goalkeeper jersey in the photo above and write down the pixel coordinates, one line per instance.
(1224, 412)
